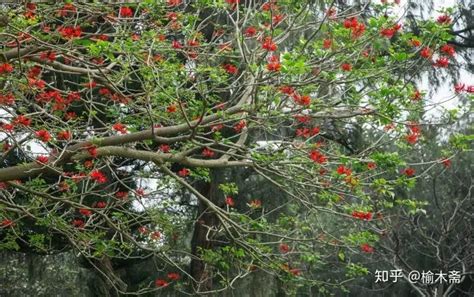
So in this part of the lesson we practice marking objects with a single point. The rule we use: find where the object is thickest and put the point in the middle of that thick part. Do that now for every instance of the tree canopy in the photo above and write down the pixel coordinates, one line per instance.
(217, 139)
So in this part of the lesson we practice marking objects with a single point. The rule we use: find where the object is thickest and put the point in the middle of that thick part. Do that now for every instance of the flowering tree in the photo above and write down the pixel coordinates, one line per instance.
(118, 121)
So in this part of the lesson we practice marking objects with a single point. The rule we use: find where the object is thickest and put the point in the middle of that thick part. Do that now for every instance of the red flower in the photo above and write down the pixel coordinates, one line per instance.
(416, 95)
(387, 32)
(88, 163)
(229, 201)
(171, 108)
(207, 153)
(269, 45)
(43, 135)
(42, 159)
(250, 31)
(412, 138)
(276, 19)
(304, 100)
(470, 89)
(155, 235)
(140, 192)
(98, 176)
(366, 248)
(327, 43)
(161, 283)
(367, 216)
(444, 19)
(346, 67)
(142, 230)
(70, 32)
(274, 66)
(184, 172)
(295, 271)
(415, 42)
(122, 195)
(426, 53)
(343, 170)
(218, 127)
(371, 165)
(270, 5)
(66, 9)
(101, 204)
(304, 119)
(231, 69)
(442, 62)
(120, 128)
(176, 44)
(6, 68)
(85, 212)
(256, 203)
(7, 99)
(174, 276)
(458, 88)
(409, 172)
(165, 148)
(284, 248)
(125, 12)
(448, 50)
(240, 125)
(318, 157)
(287, 90)
(350, 23)
(50, 55)
(22, 120)
(64, 135)
(78, 223)
(446, 162)
(173, 3)
(6, 223)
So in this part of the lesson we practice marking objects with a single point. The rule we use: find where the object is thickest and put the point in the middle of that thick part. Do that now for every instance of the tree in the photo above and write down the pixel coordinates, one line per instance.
(118, 123)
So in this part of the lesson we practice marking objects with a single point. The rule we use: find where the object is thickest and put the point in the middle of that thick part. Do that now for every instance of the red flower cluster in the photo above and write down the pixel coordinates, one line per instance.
(7, 99)
(174, 276)
(273, 64)
(207, 153)
(367, 216)
(409, 172)
(371, 165)
(269, 45)
(229, 201)
(389, 32)
(85, 212)
(442, 62)
(304, 100)
(448, 50)
(64, 135)
(284, 248)
(346, 67)
(67, 9)
(327, 43)
(231, 69)
(458, 88)
(307, 132)
(356, 28)
(250, 31)
(240, 125)
(101, 204)
(125, 12)
(184, 172)
(446, 162)
(122, 195)
(43, 135)
(42, 159)
(318, 157)
(6, 223)
(98, 176)
(70, 32)
(119, 127)
(78, 223)
(343, 170)
(366, 248)
(414, 134)
(6, 68)
(161, 283)
(415, 96)
(444, 19)
(426, 53)
(174, 3)
(256, 203)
